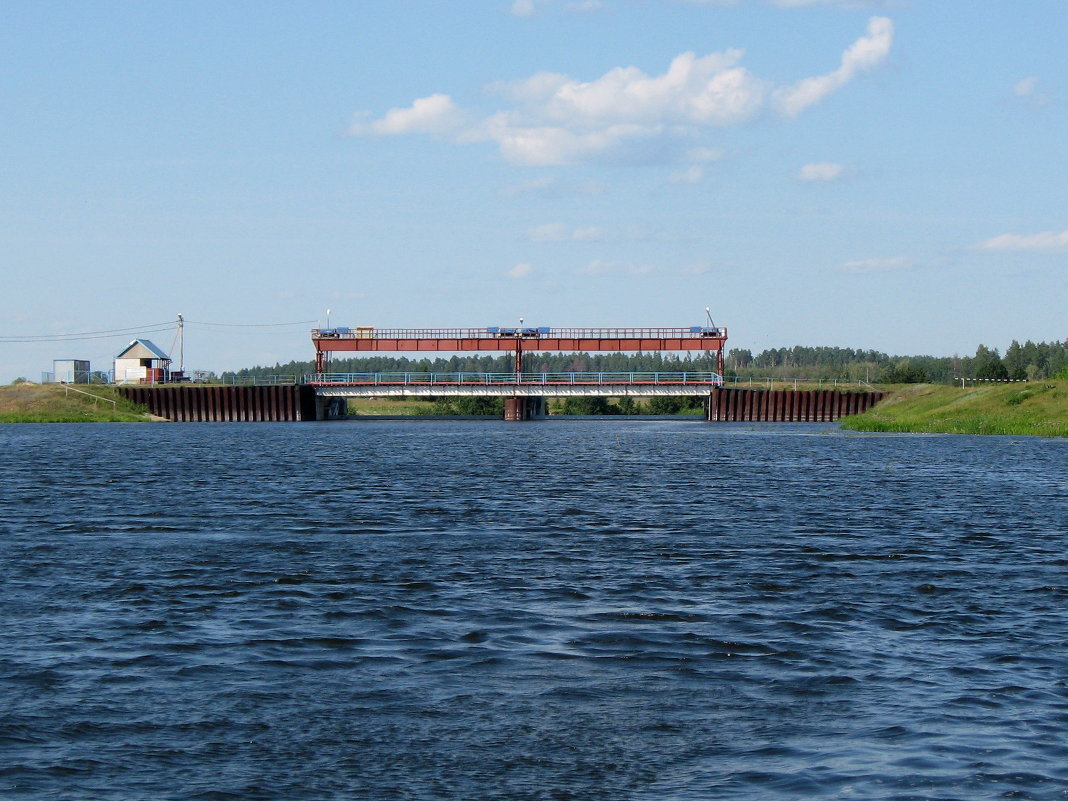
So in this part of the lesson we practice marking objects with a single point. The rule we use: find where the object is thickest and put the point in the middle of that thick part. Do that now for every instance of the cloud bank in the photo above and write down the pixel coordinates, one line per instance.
(550, 119)
(1046, 242)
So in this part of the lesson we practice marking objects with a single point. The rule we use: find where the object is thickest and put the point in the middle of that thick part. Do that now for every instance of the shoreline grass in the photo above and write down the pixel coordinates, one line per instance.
(1038, 408)
(55, 403)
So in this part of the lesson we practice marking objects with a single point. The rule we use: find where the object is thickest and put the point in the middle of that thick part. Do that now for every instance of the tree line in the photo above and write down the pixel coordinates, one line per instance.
(1028, 361)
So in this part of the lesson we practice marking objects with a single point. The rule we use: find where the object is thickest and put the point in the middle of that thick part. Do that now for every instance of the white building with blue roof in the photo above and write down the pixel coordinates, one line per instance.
(142, 362)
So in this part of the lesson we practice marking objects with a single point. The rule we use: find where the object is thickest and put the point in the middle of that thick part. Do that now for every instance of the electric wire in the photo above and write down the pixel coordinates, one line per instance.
(151, 328)
(252, 325)
(110, 332)
(81, 337)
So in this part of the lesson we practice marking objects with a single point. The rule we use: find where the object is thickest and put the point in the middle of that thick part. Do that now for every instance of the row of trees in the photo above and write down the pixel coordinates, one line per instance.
(585, 405)
(1031, 361)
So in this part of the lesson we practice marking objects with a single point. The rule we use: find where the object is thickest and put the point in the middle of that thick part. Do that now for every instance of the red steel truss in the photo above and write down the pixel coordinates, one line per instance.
(455, 340)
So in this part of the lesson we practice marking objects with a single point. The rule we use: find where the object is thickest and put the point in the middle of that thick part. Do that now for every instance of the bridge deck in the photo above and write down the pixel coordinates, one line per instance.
(512, 384)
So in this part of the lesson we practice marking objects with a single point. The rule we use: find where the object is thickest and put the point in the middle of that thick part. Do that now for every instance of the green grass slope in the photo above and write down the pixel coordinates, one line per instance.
(54, 403)
(1035, 408)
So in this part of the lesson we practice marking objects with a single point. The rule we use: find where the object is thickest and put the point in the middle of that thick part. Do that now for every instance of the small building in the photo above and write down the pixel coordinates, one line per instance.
(70, 371)
(142, 362)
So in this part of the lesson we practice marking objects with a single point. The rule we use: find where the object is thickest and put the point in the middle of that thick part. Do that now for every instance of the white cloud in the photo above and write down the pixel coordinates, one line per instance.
(878, 265)
(864, 54)
(1046, 242)
(691, 175)
(839, 3)
(549, 232)
(822, 171)
(520, 271)
(587, 6)
(602, 267)
(1025, 86)
(436, 114)
(524, 8)
(591, 233)
(558, 232)
(597, 267)
(626, 115)
(1027, 89)
(703, 155)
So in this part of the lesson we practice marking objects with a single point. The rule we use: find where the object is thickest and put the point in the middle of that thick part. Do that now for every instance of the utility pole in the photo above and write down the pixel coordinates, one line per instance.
(181, 344)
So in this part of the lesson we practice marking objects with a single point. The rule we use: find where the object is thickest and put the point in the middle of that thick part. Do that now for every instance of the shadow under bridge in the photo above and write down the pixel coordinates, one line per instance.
(509, 385)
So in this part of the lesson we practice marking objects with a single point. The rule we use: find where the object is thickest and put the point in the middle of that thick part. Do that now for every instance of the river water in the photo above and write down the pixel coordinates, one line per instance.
(562, 610)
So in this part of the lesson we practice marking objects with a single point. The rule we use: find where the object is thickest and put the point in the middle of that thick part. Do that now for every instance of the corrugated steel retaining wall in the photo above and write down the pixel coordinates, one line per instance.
(197, 404)
(787, 406)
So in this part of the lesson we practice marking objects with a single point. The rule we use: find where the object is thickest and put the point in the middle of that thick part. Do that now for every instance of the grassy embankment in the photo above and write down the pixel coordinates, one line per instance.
(1035, 408)
(390, 407)
(54, 403)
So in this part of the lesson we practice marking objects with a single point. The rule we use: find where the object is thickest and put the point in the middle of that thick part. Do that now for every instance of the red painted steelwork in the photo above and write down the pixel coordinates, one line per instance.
(527, 344)
(458, 340)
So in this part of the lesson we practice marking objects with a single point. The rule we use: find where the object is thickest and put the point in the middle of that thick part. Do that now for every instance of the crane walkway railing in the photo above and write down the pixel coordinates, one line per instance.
(507, 332)
(516, 379)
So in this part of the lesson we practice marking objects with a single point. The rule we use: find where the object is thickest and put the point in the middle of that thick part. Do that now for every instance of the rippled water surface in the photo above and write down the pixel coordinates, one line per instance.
(559, 610)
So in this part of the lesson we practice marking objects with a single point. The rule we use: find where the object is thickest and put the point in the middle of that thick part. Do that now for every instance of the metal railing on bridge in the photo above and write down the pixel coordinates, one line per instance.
(505, 332)
(517, 379)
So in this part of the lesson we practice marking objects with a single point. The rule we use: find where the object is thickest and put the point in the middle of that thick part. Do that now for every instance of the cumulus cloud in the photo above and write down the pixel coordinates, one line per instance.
(1046, 242)
(878, 265)
(863, 55)
(436, 114)
(520, 271)
(551, 119)
(822, 171)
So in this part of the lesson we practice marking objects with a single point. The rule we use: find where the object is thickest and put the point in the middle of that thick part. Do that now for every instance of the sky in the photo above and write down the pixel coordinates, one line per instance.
(884, 174)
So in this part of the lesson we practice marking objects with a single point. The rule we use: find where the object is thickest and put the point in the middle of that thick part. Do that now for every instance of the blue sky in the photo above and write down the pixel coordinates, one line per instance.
(887, 175)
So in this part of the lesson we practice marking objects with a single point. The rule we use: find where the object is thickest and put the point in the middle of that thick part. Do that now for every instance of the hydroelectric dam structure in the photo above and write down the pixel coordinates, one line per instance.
(320, 395)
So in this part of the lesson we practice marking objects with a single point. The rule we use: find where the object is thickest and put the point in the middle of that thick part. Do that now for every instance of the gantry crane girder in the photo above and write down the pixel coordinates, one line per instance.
(363, 339)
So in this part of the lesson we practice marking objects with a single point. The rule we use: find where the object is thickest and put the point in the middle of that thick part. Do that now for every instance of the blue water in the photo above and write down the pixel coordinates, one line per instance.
(558, 610)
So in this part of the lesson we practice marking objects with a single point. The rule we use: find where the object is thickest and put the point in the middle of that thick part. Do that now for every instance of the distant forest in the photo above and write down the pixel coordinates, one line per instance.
(1031, 361)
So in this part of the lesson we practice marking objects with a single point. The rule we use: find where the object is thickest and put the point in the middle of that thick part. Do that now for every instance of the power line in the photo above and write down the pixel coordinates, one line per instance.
(253, 325)
(152, 328)
(115, 334)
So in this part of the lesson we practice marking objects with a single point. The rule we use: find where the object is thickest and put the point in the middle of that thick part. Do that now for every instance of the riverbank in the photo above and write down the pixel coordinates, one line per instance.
(57, 403)
(1034, 408)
